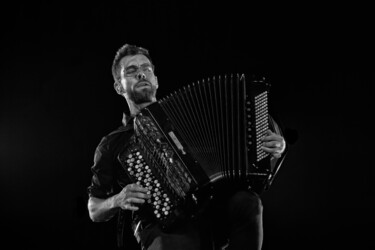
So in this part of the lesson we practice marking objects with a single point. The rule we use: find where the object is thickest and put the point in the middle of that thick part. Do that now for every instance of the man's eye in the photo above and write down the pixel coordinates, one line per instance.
(148, 68)
(131, 70)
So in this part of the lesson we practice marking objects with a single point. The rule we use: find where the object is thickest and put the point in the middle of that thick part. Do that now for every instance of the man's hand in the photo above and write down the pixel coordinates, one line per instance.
(273, 144)
(131, 197)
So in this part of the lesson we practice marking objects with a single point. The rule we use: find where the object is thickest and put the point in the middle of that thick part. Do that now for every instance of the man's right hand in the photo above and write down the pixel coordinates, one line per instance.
(131, 197)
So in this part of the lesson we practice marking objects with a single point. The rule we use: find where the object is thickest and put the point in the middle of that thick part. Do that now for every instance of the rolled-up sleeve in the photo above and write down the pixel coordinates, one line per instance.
(102, 182)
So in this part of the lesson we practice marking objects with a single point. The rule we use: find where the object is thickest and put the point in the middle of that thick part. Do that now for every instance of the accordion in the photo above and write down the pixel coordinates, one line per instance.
(199, 135)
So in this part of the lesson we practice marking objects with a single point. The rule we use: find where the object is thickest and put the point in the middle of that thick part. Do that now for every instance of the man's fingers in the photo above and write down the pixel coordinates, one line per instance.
(268, 150)
(135, 200)
(129, 206)
(136, 188)
(272, 150)
(277, 155)
(139, 195)
(272, 144)
(272, 137)
(132, 203)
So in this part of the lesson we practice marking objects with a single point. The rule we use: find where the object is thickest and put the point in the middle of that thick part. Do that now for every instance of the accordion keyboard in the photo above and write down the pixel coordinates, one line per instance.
(144, 176)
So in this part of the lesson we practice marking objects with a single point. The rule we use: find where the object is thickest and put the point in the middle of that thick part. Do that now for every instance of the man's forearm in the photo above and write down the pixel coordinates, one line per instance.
(102, 209)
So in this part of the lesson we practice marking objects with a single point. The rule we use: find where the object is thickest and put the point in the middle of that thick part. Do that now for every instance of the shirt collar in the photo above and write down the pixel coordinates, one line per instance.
(126, 118)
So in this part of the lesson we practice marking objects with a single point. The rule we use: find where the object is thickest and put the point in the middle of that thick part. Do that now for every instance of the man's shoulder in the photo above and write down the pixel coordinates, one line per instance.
(120, 131)
(119, 134)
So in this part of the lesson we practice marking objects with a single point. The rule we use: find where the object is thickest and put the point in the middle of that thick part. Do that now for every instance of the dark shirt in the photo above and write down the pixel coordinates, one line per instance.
(108, 175)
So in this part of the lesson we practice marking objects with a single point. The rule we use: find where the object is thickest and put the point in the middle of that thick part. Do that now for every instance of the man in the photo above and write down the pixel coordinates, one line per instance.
(111, 191)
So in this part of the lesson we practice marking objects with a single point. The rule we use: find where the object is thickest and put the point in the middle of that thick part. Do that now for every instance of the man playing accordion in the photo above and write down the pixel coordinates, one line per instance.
(234, 219)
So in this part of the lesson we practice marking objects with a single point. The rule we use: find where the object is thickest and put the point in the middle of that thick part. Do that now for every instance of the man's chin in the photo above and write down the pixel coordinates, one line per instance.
(143, 96)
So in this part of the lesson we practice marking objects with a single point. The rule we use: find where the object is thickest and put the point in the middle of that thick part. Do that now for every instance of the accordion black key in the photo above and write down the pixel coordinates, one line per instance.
(199, 135)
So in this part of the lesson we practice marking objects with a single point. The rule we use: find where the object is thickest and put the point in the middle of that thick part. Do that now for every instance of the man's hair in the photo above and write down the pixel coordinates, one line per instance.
(127, 50)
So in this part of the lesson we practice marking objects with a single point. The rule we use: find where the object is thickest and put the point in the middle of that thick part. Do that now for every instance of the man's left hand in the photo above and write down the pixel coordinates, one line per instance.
(273, 144)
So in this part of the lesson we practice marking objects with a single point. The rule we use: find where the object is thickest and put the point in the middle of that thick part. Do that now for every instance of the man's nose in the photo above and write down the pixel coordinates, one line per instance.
(141, 76)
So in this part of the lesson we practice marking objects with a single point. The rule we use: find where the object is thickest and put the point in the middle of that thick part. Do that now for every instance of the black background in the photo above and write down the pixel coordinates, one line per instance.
(57, 101)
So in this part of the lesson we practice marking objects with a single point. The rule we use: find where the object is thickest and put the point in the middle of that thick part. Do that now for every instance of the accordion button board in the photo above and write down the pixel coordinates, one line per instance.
(142, 174)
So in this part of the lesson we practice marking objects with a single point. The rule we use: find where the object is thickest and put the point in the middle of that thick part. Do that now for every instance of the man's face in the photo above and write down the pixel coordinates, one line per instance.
(138, 79)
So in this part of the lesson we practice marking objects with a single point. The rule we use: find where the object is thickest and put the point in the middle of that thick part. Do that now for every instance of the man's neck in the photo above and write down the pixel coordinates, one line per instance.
(136, 108)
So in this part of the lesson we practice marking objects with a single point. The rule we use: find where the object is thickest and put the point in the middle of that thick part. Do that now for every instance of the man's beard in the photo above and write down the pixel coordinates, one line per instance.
(143, 95)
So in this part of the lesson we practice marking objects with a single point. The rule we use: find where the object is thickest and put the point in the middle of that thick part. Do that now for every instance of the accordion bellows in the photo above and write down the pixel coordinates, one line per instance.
(203, 133)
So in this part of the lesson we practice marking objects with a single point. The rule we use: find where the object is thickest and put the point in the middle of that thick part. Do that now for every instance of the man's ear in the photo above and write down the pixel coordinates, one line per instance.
(119, 89)
(156, 82)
